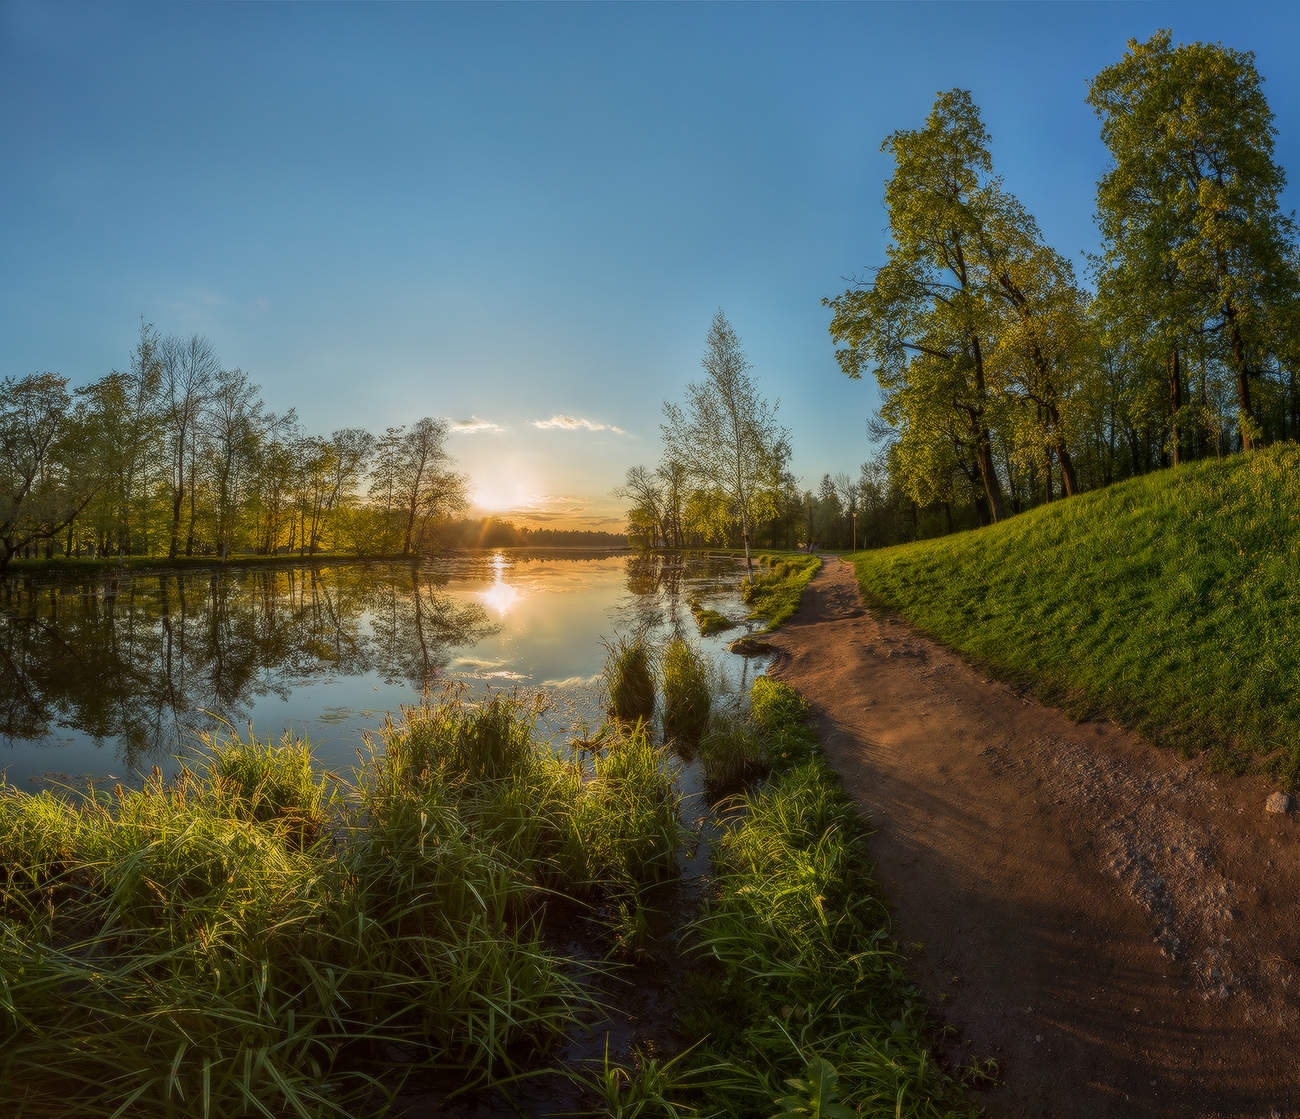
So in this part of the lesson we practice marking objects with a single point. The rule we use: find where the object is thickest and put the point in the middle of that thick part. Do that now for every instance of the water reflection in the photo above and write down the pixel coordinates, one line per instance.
(108, 675)
(501, 595)
(134, 660)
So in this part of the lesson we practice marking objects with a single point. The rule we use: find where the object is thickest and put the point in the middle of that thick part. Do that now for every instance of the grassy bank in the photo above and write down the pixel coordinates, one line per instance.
(255, 938)
(1169, 602)
(778, 584)
(798, 993)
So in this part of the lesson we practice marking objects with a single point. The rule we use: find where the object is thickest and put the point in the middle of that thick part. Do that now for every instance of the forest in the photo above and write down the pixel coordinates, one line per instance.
(1005, 381)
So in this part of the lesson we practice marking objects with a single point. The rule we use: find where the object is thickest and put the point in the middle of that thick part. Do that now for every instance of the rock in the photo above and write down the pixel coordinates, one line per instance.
(1280, 803)
(750, 647)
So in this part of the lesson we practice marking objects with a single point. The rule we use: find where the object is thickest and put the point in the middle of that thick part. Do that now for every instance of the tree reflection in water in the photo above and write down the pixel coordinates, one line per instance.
(130, 659)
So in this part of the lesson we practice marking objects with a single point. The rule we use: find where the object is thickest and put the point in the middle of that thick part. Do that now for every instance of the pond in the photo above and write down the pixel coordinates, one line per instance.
(105, 676)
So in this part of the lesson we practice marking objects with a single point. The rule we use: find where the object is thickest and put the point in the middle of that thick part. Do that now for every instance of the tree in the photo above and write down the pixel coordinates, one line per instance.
(232, 421)
(726, 437)
(647, 513)
(424, 482)
(45, 453)
(1195, 241)
(923, 325)
(188, 367)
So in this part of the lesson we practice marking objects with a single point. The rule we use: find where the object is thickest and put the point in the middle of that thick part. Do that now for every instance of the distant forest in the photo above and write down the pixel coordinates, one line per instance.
(178, 456)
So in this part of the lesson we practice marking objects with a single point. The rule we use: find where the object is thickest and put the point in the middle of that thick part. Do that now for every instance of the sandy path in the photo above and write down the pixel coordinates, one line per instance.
(1116, 926)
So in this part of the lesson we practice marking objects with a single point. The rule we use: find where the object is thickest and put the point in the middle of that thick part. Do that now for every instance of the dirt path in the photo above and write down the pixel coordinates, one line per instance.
(1117, 927)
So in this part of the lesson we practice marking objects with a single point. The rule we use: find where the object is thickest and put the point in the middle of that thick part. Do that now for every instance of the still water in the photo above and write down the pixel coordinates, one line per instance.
(106, 676)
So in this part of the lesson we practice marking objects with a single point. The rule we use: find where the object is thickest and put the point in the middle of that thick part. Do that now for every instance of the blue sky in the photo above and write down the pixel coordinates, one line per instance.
(521, 212)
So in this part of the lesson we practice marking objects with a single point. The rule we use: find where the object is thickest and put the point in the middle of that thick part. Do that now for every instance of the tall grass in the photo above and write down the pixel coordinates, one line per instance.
(243, 941)
(687, 692)
(805, 999)
(629, 678)
(1168, 602)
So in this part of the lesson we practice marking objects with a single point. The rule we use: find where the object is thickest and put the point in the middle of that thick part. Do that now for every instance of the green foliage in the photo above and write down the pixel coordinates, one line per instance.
(774, 593)
(629, 678)
(1166, 602)
(814, 1097)
(804, 995)
(1197, 246)
(241, 942)
(686, 690)
(709, 621)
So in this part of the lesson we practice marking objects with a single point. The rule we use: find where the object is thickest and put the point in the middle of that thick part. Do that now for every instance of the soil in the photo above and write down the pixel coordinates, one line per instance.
(1114, 924)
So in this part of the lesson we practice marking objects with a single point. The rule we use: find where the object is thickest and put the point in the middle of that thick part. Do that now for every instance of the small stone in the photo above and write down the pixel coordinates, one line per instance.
(750, 647)
(1280, 803)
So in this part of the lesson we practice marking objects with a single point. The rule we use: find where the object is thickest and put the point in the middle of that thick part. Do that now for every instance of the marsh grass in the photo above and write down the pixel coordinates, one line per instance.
(709, 621)
(247, 940)
(687, 692)
(629, 678)
(803, 994)
(1167, 602)
(773, 594)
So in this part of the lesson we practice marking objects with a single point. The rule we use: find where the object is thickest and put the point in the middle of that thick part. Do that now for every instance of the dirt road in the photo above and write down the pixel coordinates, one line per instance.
(1117, 927)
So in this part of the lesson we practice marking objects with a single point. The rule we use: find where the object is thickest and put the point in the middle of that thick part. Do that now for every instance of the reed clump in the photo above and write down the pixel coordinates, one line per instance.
(250, 939)
(687, 692)
(629, 678)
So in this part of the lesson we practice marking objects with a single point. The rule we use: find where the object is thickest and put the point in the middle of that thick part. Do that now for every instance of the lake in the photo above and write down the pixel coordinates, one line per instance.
(106, 676)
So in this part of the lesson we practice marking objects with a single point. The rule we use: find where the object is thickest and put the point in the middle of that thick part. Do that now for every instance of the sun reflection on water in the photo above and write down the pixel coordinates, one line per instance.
(501, 596)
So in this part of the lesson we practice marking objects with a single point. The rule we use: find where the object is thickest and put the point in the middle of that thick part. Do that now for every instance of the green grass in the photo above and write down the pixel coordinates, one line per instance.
(687, 693)
(1169, 602)
(777, 587)
(629, 678)
(799, 990)
(709, 621)
(247, 940)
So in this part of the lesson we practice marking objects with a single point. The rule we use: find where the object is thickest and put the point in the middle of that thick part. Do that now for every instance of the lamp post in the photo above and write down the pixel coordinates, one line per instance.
(855, 530)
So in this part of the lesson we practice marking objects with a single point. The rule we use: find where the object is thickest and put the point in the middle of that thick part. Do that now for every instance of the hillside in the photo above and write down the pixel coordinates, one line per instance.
(1170, 602)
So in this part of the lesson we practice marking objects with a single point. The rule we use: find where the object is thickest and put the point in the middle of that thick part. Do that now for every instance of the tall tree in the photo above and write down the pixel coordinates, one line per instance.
(1195, 240)
(188, 367)
(726, 436)
(923, 325)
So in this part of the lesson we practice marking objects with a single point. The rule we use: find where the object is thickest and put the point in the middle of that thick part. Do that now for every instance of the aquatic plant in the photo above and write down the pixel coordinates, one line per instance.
(629, 678)
(687, 692)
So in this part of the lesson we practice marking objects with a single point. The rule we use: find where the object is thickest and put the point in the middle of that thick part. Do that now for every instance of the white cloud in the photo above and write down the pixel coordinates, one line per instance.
(576, 423)
(473, 426)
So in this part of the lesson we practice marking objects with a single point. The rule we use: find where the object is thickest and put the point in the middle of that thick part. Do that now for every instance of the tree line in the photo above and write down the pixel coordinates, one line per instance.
(1004, 382)
(177, 455)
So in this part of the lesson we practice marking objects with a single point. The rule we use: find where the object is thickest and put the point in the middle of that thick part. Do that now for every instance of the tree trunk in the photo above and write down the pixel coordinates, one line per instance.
(1175, 404)
(1247, 422)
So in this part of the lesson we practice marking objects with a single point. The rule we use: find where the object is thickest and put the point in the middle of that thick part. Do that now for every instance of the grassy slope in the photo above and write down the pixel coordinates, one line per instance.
(1170, 602)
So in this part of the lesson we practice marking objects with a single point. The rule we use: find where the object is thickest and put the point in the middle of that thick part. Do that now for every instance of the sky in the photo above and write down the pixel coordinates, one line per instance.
(523, 217)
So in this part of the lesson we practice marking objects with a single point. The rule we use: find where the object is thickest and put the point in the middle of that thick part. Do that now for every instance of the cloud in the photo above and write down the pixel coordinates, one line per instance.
(576, 423)
(473, 426)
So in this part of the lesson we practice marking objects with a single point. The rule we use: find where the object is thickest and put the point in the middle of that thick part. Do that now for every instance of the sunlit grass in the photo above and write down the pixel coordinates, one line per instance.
(777, 587)
(687, 692)
(243, 941)
(1168, 602)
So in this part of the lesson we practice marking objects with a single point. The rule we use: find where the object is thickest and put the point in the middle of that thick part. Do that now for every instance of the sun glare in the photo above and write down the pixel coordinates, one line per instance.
(501, 596)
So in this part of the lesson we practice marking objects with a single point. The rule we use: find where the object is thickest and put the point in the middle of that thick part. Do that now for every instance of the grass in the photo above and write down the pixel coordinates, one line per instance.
(1168, 602)
(629, 678)
(249, 940)
(774, 594)
(798, 988)
(686, 691)
(709, 621)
